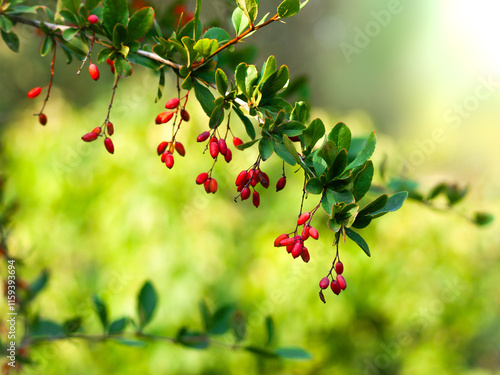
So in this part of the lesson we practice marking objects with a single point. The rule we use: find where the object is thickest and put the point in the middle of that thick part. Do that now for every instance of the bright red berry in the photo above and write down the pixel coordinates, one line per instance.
(339, 268)
(185, 115)
(303, 218)
(325, 281)
(222, 146)
(237, 142)
(206, 185)
(179, 147)
(203, 136)
(229, 156)
(245, 193)
(289, 248)
(279, 238)
(297, 249)
(110, 127)
(242, 178)
(169, 160)
(93, 19)
(94, 72)
(97, 130)
(89, 137)
(164, 117)
(162, 147)
(287, 242)
(108, 143)
(254, 180)
(313, 232)
(172, 103)
(305, 233)
(256, 199)
(305, 255)
(212, 185)
(202, 177)
(335, 287)
(33, 93)
(163, 156)
(42, 118)
(341, 282)
(280, 185)
(214, 149)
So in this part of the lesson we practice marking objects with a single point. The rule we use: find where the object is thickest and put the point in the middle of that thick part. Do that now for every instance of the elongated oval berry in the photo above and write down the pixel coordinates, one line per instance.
(172, 103)
(179, 147)
(256, 199)
(305, 255)
(313, 232)
(279, 238)
(297, 249)
(33, 93)
(110, 128)
(185, 115)
(339, 268)
(162, 147)
(237, 142)
(287, 241)
(222, 146)
(93, 19)
(341, 282)
(202, 177)
(242, 178)
(169, 160)
(303, 218)
(108, 143)
(214, 149)
(206, 185)
(42, 118)
(164, 155)
(324, 282)
(245, 193)
(255, 179)
(203, 136)
(97, 130)
(164, 117)
(240, 188)
(280, 185)
(89, 137)
(264, 179)
(289, 248)
(321, 296)
(335, 287)
(213, 185)
(94, 72)
(229, 156)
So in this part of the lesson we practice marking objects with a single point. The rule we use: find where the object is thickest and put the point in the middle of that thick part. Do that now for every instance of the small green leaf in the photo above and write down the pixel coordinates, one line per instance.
(249, 7)
(375, 205)
(266, 148)
(366, 153)
(275, 83)
(146, 303)
(300, 112)
(68, 34)
(343, 196)
(140, 23)
(217, 116)
(197, 12)
(268, 69)
(245, 76)
(334, 225)
(77, 46)
(11, 40)
(244, 146)
(269, 329)
(260, 351)
(290, 148)
(45, 327)
(293, 353)
(341, 136)
(71, 5)
(205, 97)
(339, 165)
(161, 85)
(290, 128)
(482, 218)
(72, 325)
(394, 203)
(102, 311)
(118, 326)
(221, 82)
(6, 24)
(114, 12)
(221, 320)
(119, 35)
(37, 285)
(206, 315)
(328, 201)
(240, 21)
(70, 17)
(319, 164)
(103, 55)
(363, 181)
(131, 343)
(358, 239)
(313, 133)
(289, 8)
(218, 34)
(205, 47)
(314, 186)
(246, 122)
(122, 67)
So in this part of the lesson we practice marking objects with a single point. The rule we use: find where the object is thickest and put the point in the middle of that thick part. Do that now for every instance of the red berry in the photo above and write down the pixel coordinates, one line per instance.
(109, 62)
(297, 249)
(162, 147)
(42, 118)
(313, 232)
(341, 282)
(279, 238)
(281, 183)
(202, 177)
(335, 287)
(206, 185)
(229, 156)
(303, 218)
(339, 268)
(164, 117)
(172, 103)
(203, 137)
(222, 146)
(33, 93)
(289, 248)
(325, 281)
(179, 147)
(254, 180)
(287, 242)
(110, 127)
(256, 199)
(169, 160)
(213, 185)
(97, 130)
(237, 142)
(245, 193)
(108, 143)
(242, 178)
(305, 255)
(264, 179)
(93, 19)
(94, 72)
(163, 156)
(185, 115)
(240, 188)
(89, 137)
(214, 149)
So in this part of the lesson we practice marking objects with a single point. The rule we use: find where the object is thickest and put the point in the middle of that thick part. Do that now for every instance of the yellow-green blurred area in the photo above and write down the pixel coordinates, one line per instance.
(425, 76)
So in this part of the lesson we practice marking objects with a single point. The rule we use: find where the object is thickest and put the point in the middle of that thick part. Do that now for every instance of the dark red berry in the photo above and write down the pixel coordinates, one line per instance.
(341, 282)
(324, 282)
(229, 156)
(245, 193)
(321, 296)
(94, 72)
(162, 147)
(242, 178)
(237, 142)
(169, 160)
(33, 93)
(280, 185)
(313, 232)
(256, 199)
(202, 177)
(279, 238)
(335, 287)
(185, 115)
(42, 118)
(110, 127)
(179, 147)
(303, 218)
(89, 137)
(264, 179)
(222, 146)
(172, 103)
(109, 61)
(203, 137)
(214, 149)
(339, 268)
(305, 255)
(93, 19)
(108, 143)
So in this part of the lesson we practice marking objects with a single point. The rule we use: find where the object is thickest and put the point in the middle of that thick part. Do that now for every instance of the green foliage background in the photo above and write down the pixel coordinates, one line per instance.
(426, 302)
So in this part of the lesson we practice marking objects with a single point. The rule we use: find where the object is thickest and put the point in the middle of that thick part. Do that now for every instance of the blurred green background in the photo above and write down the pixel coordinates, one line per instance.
(425, 76)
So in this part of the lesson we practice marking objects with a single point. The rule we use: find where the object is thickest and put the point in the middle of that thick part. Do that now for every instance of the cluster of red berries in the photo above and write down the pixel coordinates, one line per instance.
(166, 150)
(209, 183)
(295, 245)
(337, 284)
(101, 131)
(249, 179)
(33, 93)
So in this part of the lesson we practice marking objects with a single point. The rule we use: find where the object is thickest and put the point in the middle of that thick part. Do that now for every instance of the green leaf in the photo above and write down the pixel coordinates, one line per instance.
(206, 315)
(334, 225)
(45, 327)
(221, 82)
(275, 83)
(6, 24)
(221, 320)
(338, 165)
(289, 8)
(47, 46)
(205, 47)
(291, 149)
(366, 153)
(119, 36)
(70, 17)
(343, 196)
(103, 55)
(319, 164)
(249, 7)
(77, 46)
(314, 186)
(269, 329)
(266, 148)
(140, 23)
(358, 239)
(23, 9)
(483, 218)
(341, 136)
(218, 34)
(268, 69)
(240, 21)
(244, 146)
(37, 285)
(161, 85)
(134, 58)
(217, 116)
(114, 12)
(245, 77)
(276, 104)
(328, 152)
(246, 122)
(71, 5)
(290, 128)
(146, 303)
(11, 39)
(300, 112)
(375, 205)
(72, 325)
(122, 67)
(69, 34)
(91, 4)
(313, 133)
(102, 311)
(205, 97)
(293, 353)
(328, 201)
(260, 351)
(394, 203)
(131, 343)
(197, 12)
(363, 181)
(118, 325)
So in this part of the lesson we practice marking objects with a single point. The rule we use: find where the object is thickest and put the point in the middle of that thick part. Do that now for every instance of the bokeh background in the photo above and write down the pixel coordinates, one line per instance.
(425, 75)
